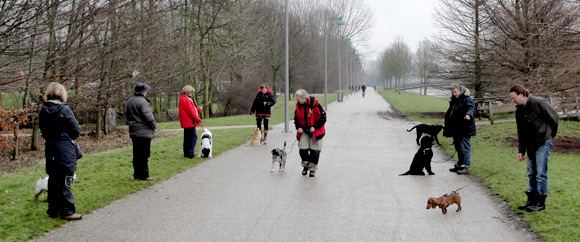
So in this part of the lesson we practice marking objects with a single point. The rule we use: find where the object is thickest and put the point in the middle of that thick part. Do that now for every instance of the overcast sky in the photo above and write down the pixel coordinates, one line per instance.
(410, 19)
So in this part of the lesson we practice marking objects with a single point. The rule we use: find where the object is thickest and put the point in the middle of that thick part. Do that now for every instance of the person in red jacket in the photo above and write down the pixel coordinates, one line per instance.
(309, 119)
(189, 119)
(262, 108)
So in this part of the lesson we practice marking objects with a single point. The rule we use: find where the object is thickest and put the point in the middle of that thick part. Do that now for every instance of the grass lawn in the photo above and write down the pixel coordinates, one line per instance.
(491, 152)
(111, 173)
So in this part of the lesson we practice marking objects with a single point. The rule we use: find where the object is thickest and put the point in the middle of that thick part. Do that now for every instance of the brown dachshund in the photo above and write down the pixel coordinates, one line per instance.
(445, 201)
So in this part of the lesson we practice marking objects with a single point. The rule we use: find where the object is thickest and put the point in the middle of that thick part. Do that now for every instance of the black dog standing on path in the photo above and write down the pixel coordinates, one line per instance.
(432, 130)
(422, 158)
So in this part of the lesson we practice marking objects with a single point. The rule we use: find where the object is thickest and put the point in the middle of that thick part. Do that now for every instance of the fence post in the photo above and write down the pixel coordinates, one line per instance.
(490, 113)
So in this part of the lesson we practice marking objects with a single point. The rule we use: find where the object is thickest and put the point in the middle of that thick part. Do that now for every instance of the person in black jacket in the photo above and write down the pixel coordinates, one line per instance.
(460, 124)
(59, 127)
(262, 108)
(141, 130)
(537, 123)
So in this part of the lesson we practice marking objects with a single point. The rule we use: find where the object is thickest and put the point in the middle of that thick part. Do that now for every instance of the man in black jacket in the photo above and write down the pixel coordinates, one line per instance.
(537, 123)
(460, 125)
(141, 130)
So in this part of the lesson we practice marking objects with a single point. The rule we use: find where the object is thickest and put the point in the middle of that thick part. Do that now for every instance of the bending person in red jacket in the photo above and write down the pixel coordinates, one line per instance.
(189, 119)
(262, 108)
(309, 119)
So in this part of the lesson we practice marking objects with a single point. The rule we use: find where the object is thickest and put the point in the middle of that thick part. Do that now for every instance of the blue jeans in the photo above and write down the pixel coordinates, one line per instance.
(463, 148)
(538, 168)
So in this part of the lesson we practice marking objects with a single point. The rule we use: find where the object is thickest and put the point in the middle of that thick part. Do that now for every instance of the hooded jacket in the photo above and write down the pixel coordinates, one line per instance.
(258, 106)
(310, 114)
(188, 113)
(55, 119)
(455, 123)
(537, 122)
(140, 117)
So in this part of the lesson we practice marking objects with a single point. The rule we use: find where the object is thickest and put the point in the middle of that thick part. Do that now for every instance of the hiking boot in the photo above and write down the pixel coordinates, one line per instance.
(454, 169)
(463, 170)
(305, 171)
(531, 200)
(539, 205)
(312, 173)
(74, 216)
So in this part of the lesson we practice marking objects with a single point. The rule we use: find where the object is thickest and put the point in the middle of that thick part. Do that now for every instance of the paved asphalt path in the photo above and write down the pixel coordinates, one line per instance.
(357, 194)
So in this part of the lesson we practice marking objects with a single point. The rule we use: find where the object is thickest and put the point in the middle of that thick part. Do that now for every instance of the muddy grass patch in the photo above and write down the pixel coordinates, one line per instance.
(433, 114)
(562, 144)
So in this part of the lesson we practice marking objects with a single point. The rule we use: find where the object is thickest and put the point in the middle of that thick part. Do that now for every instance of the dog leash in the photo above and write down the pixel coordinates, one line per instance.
(492, 174)
(450, 157)
(292, 147)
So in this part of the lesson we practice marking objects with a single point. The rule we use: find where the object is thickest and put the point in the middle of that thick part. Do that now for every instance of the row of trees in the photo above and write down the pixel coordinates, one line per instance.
(491, 44)
(224, 48)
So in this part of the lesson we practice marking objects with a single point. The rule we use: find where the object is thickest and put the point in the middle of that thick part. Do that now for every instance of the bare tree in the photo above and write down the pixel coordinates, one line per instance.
(425, 62)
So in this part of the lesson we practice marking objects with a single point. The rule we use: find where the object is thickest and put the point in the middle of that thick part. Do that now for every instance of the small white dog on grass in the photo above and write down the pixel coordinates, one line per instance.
(205, 147)
(42, 185)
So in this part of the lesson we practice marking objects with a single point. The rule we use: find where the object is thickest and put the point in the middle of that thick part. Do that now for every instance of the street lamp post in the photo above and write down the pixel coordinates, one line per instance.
(286, 101)
(339, 22)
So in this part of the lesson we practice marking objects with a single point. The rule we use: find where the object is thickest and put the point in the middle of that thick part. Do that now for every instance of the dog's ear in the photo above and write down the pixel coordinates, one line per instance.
(430, 203)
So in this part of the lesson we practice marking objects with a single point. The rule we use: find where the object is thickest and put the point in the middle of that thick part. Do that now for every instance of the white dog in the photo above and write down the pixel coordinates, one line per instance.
(42, 185)
(205, 147)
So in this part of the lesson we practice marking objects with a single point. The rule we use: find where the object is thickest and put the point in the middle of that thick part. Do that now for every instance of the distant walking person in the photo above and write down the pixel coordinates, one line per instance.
(460, 125)
(363, 88)
(537, 123)
(141, 130)
(59, 126)
(309, 119)
(189, 119)
(262, 108)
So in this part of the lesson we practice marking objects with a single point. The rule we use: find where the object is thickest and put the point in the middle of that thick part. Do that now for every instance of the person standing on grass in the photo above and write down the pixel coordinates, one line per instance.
(537, 124)
(141, 130)
(59, 127)
(189, 119)
(460, 124)
(309, 119)
(262, 108)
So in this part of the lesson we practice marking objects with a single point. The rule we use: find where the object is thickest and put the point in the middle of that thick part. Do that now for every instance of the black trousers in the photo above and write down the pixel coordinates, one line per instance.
(189, 141)
(141, 154)
(259, 123)
(60, 198)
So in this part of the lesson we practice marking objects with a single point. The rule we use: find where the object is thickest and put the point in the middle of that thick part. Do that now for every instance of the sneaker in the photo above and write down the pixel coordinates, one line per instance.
(455, 168)
(304, 171)
(463, 170)
(312, 173)
(74, 216)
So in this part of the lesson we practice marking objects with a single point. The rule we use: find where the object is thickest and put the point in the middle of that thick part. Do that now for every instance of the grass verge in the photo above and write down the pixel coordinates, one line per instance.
(492, 152)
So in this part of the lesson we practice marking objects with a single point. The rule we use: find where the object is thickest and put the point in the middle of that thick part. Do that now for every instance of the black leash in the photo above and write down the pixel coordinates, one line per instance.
(492, 174)
(450, 157)
(292, 147)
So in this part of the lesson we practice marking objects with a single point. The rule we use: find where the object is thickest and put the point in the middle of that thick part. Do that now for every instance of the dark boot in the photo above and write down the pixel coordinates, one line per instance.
(531, 200)
(539, 205)
(264, 136)
(455, 168)
(305, 160)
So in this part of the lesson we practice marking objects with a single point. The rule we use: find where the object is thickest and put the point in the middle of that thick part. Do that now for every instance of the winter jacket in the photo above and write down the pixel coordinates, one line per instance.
(140, 117)
(188, 113)
(455, 123)
(258, 106)
(537, 122)
(310, 114)
(55, 119)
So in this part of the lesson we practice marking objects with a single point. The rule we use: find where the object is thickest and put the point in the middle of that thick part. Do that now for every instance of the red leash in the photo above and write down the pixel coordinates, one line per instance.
(492, 174)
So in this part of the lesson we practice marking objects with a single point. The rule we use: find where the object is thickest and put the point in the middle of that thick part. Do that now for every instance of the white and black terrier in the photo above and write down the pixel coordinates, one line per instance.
(432, 130)
(42, 185)
(422, 158)
(206, 145)
(279, 155)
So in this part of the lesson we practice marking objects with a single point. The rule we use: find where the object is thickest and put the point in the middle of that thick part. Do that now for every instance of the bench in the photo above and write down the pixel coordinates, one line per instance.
(494, 105)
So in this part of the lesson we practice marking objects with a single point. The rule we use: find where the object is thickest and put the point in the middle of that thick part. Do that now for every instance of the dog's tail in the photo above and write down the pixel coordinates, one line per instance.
(284, 146)
(409, 130)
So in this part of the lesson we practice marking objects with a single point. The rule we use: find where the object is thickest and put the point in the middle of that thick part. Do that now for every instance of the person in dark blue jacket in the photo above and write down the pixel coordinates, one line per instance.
(460, 124)
(59, 127)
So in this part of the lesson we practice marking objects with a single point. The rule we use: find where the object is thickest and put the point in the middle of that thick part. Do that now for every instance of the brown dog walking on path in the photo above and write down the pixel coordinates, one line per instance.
(445, 201)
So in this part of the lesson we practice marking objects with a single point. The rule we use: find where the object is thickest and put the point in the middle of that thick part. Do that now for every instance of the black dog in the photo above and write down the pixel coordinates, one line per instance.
(432, 130)
(422, 158)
